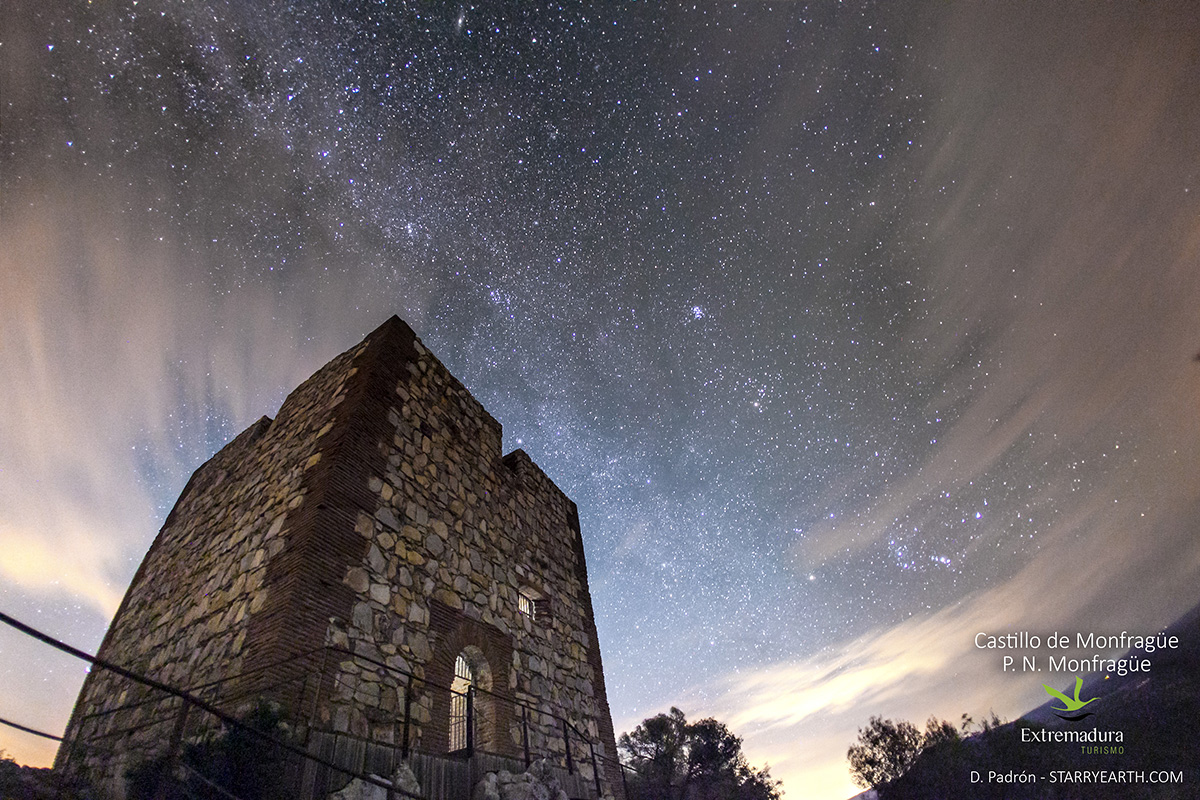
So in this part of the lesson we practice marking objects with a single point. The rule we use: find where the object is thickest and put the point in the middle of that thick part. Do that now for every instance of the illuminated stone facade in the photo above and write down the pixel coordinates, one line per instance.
(357, 545)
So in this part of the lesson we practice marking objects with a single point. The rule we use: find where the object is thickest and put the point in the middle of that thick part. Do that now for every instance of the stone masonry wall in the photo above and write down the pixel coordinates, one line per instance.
(185, 617)
(374, 515)
(455, 535)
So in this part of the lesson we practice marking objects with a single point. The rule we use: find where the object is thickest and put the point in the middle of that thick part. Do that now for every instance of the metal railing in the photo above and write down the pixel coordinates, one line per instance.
(466, 717)
(173, 726)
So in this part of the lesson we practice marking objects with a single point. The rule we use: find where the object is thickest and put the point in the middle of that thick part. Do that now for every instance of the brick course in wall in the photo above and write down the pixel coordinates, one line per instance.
(376, 515)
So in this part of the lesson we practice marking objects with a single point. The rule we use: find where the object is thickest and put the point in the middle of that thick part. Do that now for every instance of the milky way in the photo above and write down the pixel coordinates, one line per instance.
(849, 329)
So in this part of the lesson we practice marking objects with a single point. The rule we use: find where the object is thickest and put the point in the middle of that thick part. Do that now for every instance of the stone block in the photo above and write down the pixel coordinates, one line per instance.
(357, 579)
(387, 518)
(380, 593)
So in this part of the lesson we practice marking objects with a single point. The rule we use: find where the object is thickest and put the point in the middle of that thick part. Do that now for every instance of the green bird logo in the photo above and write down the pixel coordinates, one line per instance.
(1070, 705)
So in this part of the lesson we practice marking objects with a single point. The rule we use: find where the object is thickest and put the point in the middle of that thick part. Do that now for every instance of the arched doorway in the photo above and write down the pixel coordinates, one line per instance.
(472, 721)
(488, 656)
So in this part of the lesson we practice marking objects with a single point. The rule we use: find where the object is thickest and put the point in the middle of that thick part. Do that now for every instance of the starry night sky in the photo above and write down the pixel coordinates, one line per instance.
(853, 329)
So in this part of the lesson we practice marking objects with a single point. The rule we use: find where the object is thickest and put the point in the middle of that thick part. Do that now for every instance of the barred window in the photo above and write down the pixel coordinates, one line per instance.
(464, 679)
(527, 605)
(472, 715)
(533, 604)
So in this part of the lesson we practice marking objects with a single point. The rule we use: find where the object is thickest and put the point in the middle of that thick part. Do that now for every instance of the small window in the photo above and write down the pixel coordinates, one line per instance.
(527, 605)
(533, 604)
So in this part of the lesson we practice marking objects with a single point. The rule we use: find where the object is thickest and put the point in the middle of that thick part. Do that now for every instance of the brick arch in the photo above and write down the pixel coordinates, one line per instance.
(456, 633)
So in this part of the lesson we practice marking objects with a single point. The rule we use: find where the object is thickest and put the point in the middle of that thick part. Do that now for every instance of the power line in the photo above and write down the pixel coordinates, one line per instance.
(195, 701)
(11, 724)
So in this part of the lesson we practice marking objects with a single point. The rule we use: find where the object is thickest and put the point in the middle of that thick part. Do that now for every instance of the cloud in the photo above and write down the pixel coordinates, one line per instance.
(159, 291)
(801, 715)
(128, 357)
(123, 374)
(1060, 263)
(34, 564)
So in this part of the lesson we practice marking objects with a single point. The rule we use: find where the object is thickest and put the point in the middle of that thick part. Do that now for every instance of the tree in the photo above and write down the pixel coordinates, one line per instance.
(673, 759)
(885, 750)
(18, 782)
(938, 732)
(656, 750)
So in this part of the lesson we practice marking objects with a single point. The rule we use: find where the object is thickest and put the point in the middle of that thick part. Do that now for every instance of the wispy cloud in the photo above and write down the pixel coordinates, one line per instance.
(121, 375)
(802, 715)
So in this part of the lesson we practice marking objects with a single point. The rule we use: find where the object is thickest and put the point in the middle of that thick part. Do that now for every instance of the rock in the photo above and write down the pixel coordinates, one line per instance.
(388, 517)
(536, 784)
(357, 579)
(376, 560)
(449, 598)
(538, 770)
(419, 645)
(362, 618)
(359, 789)
(380, 593)
(416, 514)
(405, 780)
(487, 789)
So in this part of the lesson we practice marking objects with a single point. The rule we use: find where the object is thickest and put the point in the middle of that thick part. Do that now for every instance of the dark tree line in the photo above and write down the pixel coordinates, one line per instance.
(886, 750)
(669, 758)
(903, 763)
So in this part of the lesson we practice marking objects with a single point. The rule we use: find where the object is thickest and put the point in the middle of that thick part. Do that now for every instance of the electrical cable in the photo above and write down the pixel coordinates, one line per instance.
(197, 702)
(11, 724)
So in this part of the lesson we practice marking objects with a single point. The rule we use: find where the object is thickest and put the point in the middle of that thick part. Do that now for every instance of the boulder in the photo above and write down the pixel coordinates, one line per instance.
(357, 789)
(538, 783)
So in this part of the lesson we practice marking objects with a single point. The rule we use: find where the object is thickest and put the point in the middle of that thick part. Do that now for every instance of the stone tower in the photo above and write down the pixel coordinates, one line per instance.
(345, 560)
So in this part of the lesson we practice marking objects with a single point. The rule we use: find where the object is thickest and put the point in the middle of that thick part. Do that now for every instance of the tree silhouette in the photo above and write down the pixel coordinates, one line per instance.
(884, 752)
(673, 759)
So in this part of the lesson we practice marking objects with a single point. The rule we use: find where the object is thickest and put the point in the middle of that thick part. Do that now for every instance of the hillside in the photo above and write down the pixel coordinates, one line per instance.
(1156, 713)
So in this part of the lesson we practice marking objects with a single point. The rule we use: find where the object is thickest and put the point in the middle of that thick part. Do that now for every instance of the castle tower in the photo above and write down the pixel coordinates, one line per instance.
(360, 560)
